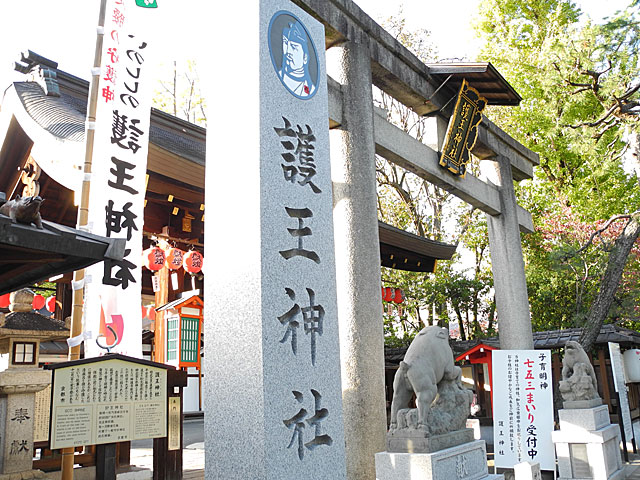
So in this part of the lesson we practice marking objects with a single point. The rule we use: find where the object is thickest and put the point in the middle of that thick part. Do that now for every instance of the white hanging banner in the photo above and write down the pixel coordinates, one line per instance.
(113, 299)
(619, 382)
(522, 429)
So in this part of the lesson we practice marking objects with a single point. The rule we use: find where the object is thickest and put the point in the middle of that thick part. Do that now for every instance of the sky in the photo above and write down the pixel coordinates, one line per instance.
(64, 30)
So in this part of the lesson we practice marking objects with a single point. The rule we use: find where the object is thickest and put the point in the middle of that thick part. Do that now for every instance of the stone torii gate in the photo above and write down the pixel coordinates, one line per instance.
(363, 54)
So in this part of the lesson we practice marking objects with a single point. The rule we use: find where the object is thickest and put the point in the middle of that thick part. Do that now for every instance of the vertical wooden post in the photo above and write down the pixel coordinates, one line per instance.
(106, 461)
(167, 464)
(83, 216)
(162, 297)
(160, 329)
(604, 378)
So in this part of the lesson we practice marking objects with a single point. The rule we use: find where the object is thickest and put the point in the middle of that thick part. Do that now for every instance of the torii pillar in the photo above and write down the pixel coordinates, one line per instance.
(507, 264)
(358, 262)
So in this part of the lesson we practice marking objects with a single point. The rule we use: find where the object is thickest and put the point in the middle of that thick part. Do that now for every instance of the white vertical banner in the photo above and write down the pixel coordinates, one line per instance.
(620, 384)
(112, 311)
(522, 429)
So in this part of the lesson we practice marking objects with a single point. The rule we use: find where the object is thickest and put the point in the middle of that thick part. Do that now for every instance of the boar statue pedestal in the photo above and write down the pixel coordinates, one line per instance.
(587, 442)
(431, 441)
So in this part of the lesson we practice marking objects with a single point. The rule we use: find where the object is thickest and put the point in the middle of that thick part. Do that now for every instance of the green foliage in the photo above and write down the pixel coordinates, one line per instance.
(579, 85)
(47, 289)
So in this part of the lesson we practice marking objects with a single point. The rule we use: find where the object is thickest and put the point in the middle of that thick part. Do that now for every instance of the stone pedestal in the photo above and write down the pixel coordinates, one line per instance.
(463, 462)
(587, 445)
(417, 441)
(17, 406)
(527, 471)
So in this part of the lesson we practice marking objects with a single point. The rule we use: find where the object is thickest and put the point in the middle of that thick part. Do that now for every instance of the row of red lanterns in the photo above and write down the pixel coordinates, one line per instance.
(395, 295)
(38, 302)
(154, 258)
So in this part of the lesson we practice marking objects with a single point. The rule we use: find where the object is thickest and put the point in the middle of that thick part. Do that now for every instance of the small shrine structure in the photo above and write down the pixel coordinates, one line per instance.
(184, 328)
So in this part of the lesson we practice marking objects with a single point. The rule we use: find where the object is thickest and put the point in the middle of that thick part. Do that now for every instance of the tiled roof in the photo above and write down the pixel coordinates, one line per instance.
(64, 117)
(32, 321)
(54, 114)
(550, 340)
(608, 333)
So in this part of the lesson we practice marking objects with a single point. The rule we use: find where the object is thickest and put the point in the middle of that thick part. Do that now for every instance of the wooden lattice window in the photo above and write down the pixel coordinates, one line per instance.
(189, 340)
(172, 339)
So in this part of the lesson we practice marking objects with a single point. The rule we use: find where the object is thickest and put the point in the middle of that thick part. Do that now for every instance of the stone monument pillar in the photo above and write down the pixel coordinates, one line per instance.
(273, 395)
(358, 262)
(587, 445)
(431, 442)
(20, 336)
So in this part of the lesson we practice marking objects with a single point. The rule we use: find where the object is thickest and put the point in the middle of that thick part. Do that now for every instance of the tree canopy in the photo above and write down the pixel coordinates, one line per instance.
(579, 82)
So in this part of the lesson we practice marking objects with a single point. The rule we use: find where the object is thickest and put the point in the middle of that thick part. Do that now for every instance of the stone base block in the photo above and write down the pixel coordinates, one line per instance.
(619, 475)
(82, 473)
(26, 475)
(586, 454)
(415, 441)
(582, 403)
(584, 418)
(463, 462)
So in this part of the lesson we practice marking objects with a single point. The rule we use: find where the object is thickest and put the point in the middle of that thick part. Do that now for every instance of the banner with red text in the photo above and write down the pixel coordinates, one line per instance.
(523, 408)
(112, 316)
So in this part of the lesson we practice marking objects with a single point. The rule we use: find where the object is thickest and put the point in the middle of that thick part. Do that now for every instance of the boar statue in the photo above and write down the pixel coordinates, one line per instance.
(428, 370)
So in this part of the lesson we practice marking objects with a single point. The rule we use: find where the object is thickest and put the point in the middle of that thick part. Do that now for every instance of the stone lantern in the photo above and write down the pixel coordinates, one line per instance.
(21, 332)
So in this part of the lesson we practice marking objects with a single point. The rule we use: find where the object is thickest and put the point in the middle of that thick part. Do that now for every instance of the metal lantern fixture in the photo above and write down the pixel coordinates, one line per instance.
(153, 258)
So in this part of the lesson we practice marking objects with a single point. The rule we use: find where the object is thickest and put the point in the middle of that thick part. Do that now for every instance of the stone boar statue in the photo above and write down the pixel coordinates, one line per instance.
(428, 361)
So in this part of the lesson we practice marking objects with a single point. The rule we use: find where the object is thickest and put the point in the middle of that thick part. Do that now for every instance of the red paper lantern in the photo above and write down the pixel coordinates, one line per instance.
(151, 313)
(192, 261)
(382, 292)
(153, 258)
(51, 303)
(398, 296)
(38, 302)
(4, 300)
(387, 294)
(174, 258)
(144, 311)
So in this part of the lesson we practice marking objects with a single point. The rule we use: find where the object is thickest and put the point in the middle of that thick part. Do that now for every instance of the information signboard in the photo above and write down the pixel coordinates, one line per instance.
(106, 400)
(41, 415)
(523, 408)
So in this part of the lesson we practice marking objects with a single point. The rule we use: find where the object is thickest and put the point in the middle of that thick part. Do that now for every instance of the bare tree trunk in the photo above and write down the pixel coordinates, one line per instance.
(635, 154)
(463, 335)
(175, 88)
(610, 281)
(492, 314)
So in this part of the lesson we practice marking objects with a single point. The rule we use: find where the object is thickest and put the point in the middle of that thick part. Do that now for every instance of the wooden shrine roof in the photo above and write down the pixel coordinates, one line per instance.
(175, 166)
(405, 251)
(481, 75)
(29, 255)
